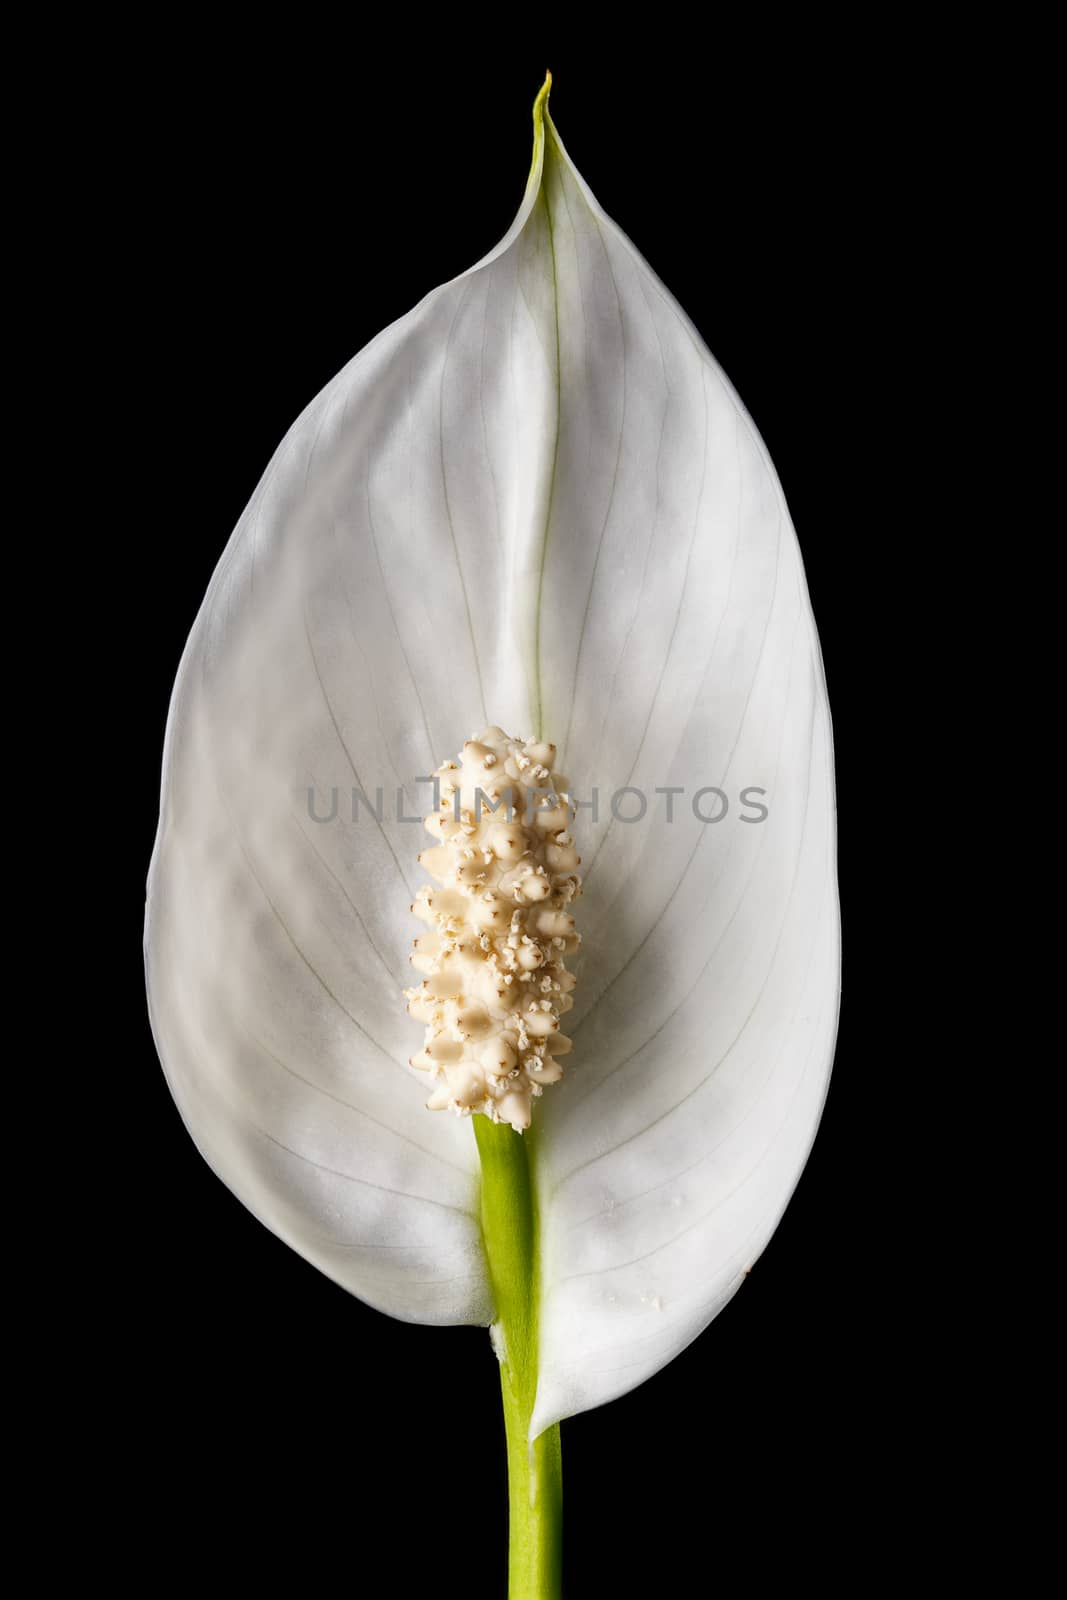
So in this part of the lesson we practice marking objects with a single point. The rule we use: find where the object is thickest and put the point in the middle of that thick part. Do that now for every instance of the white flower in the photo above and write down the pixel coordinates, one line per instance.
(534, 500)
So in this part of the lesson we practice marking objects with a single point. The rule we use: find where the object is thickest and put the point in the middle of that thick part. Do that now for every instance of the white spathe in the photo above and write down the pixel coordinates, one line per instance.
(535, 501)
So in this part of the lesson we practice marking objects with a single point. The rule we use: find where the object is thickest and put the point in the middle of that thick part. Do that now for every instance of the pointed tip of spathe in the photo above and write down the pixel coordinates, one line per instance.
(541, 102)
(540, 119)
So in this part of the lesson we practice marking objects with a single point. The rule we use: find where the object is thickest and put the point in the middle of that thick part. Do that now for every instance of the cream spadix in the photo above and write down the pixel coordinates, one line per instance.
(496, 982)
(535, 499)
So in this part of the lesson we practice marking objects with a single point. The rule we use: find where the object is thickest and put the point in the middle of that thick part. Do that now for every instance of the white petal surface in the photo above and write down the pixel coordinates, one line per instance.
(344, 645)
(536, 501)
(678, 650)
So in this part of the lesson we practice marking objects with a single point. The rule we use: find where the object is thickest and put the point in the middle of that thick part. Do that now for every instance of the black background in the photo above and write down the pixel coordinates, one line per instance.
(260, 221)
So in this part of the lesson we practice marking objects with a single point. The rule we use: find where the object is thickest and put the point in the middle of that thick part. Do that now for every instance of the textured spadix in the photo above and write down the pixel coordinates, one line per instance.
(498, 928)
(535, 502)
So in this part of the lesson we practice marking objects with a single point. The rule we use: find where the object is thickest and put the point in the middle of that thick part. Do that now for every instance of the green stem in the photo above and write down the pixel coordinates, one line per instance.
(535, 1484)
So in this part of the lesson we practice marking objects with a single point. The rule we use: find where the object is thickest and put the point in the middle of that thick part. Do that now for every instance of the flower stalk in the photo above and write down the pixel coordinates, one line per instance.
(535, 1484)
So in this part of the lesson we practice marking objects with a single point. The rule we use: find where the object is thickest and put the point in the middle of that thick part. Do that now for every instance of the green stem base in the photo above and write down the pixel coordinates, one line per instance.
(535, 1481)
(535, 1504)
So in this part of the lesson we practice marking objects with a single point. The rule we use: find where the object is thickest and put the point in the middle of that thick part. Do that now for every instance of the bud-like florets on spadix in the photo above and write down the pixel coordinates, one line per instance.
(499, 925)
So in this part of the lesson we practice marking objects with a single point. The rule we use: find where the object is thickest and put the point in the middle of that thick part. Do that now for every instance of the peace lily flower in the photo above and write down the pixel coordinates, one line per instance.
(535, 504)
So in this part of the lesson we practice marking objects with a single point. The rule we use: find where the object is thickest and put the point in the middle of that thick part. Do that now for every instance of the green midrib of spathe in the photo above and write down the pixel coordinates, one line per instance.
(540, 113)
(535, 1484)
